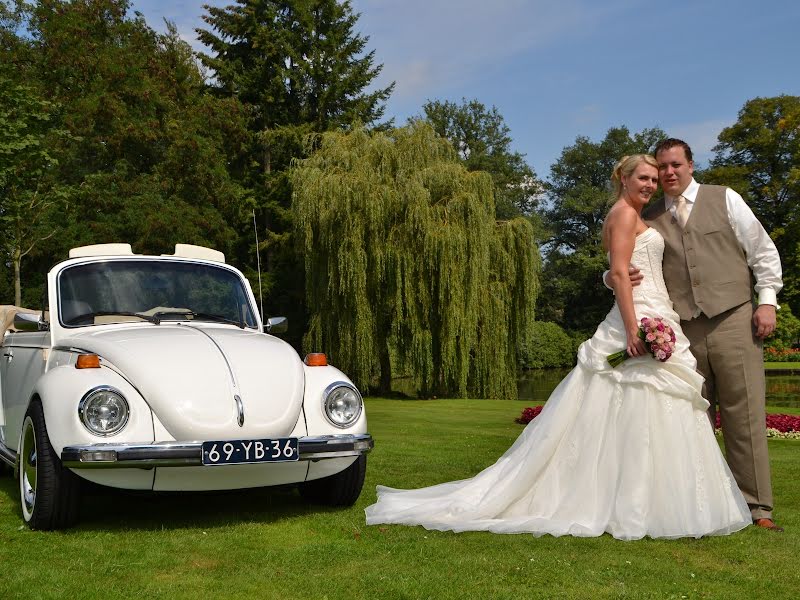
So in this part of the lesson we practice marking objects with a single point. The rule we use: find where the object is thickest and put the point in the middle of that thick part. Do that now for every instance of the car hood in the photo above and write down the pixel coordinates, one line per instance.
(190, 374)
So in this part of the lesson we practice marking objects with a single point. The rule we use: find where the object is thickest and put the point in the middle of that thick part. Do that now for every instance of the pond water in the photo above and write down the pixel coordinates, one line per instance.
(782, 390)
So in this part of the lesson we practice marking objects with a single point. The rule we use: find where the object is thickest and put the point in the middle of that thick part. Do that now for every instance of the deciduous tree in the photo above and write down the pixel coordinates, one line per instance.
(151, 148)
(579, 196)
(759, 156)
(482, 140)
(146, 151)
(407, 268)
(29, 193)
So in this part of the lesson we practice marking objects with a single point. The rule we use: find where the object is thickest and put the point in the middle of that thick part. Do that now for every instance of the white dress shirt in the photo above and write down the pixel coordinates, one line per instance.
(759, 249)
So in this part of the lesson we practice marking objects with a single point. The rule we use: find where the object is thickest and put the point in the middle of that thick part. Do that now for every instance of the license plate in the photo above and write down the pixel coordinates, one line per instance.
(238, 452)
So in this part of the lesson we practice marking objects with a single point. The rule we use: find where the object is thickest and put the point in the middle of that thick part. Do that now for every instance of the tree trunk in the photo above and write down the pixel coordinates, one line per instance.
(268, 260)
(385, 381)
(17, 281)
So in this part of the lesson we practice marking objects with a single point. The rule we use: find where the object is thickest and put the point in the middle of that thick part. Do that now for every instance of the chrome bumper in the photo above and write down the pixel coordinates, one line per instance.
(189, 454)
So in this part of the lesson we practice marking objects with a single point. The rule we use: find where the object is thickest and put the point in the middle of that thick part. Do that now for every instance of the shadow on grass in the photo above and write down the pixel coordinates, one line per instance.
(109, 509)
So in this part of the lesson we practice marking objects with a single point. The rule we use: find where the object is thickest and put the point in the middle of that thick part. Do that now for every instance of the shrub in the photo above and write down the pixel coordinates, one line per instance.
(552, 347)
(787, 331)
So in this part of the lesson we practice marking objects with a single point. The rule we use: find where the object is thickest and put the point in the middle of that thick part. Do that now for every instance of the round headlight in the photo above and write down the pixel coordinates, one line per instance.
(103, 411)
(342, 404)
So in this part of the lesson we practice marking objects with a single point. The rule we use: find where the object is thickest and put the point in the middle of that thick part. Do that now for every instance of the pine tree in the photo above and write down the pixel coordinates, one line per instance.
(294, 62)
(299, 67)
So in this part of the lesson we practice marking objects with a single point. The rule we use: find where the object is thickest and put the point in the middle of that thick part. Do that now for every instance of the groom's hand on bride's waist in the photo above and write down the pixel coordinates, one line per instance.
(635, 275)
(633, 272)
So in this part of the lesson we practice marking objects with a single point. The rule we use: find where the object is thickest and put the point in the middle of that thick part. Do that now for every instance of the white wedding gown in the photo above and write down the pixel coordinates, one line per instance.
(626, 450)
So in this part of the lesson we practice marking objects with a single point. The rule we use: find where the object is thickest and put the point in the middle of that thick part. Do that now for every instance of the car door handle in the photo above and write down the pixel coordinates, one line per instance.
(8, 355)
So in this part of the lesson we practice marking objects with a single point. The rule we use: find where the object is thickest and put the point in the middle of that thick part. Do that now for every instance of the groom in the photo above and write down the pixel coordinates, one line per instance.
(714, 249)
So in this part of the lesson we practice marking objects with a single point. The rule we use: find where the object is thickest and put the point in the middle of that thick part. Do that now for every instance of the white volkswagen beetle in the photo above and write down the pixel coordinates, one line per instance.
(156, 373)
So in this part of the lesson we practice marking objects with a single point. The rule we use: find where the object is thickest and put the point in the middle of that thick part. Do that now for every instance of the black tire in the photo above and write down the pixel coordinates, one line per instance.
(48, 492)
(342, 489)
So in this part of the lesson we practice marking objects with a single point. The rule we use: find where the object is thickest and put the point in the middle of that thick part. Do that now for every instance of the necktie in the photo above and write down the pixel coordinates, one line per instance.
(681, 211)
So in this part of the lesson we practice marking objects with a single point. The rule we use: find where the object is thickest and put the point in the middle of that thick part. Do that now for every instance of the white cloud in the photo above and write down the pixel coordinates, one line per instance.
(414, 78)
(462, 40)
(588, 115)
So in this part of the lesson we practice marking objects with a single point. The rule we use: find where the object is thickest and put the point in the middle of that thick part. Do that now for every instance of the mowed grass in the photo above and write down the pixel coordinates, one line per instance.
(269, 544)
(781, 366)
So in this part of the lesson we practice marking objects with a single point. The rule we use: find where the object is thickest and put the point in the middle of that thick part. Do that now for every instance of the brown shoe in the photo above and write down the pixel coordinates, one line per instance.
(767, 524)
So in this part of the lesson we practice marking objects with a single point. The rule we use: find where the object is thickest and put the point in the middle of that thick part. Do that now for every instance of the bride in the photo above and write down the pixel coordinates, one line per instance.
(626, 450)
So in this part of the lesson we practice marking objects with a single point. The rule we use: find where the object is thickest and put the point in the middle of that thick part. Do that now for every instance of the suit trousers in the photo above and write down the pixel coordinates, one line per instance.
(730, 357)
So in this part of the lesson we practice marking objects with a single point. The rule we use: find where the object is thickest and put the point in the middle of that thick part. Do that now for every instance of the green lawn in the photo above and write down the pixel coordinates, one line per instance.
(781, 366)
(268, 544)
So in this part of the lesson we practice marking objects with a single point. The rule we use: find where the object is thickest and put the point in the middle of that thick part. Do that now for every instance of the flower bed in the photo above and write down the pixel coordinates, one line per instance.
(786, 355)
(778, 425)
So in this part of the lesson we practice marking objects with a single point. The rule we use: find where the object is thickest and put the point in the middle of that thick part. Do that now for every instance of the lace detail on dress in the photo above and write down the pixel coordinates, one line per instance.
(618, 395)
(574, 450)
(647, 256)
(700, 473)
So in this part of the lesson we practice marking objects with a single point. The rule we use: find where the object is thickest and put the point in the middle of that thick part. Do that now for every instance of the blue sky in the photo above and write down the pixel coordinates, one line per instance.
(559, 69)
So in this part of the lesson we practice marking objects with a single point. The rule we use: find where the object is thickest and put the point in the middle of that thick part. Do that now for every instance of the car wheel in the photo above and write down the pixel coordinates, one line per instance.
(342, 489)
(48, 492)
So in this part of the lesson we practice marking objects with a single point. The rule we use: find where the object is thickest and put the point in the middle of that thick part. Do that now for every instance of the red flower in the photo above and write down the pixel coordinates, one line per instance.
(528, 415)
(781, 422)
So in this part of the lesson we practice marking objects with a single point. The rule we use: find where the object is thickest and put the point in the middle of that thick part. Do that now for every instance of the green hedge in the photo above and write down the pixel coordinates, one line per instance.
(555, 347)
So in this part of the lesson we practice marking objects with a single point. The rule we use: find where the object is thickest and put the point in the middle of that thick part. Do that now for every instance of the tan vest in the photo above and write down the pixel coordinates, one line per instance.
(704, 265)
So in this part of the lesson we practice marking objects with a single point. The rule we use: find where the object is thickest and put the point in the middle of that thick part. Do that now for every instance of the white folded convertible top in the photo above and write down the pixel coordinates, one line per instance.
(181, 250)
(101, 250)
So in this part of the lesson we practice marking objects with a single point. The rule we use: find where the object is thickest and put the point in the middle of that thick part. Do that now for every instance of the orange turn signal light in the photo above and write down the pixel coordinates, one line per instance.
(316, 359)
(88, 361)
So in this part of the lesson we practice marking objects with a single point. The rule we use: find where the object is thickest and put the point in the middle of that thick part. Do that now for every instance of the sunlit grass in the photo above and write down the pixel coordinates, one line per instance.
(781, 366)
(269, 544)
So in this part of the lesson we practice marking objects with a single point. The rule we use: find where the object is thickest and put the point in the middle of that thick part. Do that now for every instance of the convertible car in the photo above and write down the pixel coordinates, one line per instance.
(157, 373)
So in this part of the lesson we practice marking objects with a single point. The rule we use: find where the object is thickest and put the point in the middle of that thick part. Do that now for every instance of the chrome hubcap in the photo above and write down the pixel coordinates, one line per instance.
(27, 477)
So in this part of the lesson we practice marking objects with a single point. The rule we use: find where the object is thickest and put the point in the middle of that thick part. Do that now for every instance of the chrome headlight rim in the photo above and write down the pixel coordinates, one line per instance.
(87, 397)
(326, 395)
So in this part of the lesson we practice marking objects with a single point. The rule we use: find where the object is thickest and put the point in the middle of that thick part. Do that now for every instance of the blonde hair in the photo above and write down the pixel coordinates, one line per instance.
(626, 166)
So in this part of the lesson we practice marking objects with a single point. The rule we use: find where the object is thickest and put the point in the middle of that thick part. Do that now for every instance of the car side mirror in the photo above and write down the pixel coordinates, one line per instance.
(276, 325)
(29, 322)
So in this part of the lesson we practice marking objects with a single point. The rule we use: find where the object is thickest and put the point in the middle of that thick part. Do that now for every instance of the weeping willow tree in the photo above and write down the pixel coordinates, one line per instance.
(407, 269)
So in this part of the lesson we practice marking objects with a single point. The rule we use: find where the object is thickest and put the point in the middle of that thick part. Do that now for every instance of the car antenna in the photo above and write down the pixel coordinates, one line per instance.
(258, 264)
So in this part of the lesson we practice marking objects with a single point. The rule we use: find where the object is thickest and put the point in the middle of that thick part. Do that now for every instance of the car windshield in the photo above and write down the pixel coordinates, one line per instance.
(151, 290)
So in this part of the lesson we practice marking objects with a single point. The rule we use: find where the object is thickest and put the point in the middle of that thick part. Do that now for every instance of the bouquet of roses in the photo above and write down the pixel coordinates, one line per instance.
(658, 337)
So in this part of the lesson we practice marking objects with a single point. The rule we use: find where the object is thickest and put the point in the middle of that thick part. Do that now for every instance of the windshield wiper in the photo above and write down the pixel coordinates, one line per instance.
(157, 317)
(107, 313)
